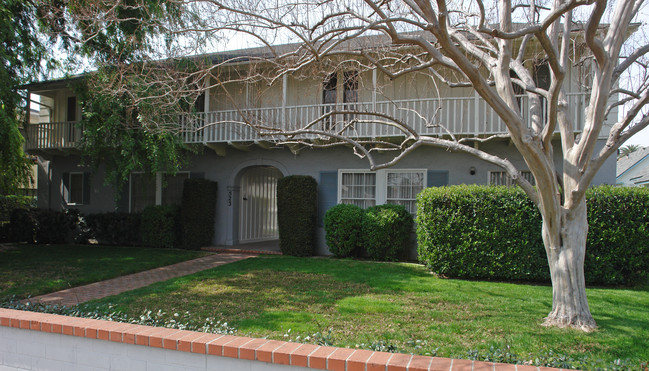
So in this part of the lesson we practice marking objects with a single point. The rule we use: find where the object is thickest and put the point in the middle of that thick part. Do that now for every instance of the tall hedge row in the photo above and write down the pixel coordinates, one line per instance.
(198, 212)
(297, 206)
(495, 233)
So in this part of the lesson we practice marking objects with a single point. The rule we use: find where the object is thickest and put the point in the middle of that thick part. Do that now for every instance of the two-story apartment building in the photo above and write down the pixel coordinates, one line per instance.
(247, 166)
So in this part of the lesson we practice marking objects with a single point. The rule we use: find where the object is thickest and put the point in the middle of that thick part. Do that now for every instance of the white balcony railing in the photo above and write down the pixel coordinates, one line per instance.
(53, 135)
(465, 116)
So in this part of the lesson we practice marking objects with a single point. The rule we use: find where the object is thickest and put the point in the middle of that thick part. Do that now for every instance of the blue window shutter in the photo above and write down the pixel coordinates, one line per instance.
(123, 203)
(437, 178)
(86, 188)
(327, 193)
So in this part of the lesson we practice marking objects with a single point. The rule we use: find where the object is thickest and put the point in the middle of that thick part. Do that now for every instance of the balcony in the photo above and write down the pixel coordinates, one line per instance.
(53, 136)
(462, 117)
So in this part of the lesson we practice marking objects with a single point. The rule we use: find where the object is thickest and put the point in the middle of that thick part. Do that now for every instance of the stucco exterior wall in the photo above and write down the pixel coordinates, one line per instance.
(226, 171)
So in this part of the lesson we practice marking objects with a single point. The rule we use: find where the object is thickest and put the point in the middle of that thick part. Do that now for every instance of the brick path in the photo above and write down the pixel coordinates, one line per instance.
(98, 290)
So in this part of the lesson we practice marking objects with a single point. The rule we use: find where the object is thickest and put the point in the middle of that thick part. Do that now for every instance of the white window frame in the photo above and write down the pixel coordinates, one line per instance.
(83, 181)
(158, 187)
(381, 181)
(509, 179)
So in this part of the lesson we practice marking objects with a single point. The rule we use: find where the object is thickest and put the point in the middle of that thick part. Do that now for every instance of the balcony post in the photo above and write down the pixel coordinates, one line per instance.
(476, 113)
(374, 79)
(284, 92)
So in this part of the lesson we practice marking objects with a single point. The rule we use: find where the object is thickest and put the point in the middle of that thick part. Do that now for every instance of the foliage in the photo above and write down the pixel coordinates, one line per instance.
(297, 207)
(198, 212)
(22, 226)
(160, 226)
(342, 224)
(9, 203)
(628, 149)
(114, 228)
(114, 138)
(617, 248)
(180, 321)
(41, 226)
(21, 53)
(494, 233)
(53, 226)
(386, 231)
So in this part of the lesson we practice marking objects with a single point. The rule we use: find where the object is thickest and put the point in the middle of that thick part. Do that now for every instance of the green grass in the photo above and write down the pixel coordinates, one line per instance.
(30, 270)
(366, 302)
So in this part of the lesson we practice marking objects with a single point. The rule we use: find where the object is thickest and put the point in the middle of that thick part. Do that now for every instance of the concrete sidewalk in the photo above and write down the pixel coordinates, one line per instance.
(98, 290)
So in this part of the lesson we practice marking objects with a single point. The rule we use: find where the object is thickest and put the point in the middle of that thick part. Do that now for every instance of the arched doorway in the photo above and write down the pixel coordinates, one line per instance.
(258, 204)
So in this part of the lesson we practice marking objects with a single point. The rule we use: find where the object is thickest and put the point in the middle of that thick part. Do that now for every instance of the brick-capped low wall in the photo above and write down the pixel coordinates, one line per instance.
(30, 341)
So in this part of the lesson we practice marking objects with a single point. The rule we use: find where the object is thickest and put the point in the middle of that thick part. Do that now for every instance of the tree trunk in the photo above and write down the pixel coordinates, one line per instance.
(566, 248)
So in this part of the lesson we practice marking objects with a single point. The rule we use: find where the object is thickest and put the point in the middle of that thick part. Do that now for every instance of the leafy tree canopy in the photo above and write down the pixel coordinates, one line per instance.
(21, 54)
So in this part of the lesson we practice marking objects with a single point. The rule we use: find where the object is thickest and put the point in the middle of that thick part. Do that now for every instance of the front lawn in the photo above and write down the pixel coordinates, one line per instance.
(380, 305)
(30, 270)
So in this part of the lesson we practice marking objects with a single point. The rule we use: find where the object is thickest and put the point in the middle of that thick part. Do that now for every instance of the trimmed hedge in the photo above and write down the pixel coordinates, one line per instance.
(160, 226)
(484, 232)
(386, 231)
(121, 229)
(54, 226)
(617, 249)
(342, 224)
(22, 226)
(198, 213)
(40, 226)
(297, 205)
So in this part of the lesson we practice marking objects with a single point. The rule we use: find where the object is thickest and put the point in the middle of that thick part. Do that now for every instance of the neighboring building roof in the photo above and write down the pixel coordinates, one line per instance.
(635, 160)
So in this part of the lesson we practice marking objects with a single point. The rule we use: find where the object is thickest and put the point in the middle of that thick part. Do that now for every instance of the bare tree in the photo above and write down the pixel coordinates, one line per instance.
(491, 47)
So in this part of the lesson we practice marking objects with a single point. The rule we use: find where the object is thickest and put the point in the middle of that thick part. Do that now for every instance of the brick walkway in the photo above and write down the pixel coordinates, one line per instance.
(98, 290)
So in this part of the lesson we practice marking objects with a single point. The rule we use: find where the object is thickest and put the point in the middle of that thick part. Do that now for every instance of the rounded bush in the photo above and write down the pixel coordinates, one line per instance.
(386, 231)
(342, 224)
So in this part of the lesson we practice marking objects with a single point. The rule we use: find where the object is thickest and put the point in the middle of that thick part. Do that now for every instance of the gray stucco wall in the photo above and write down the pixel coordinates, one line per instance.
(226, 170)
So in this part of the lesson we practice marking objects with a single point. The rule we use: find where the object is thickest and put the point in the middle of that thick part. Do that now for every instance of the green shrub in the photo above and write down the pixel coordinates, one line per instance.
(495, 233)
(22, 226)
(296, 214)
(386, 231)
(9, 203)
(617, 251)
(159, 226)
(121, 229)
(40, 226)
(198, 213)
(342, 224)
(53, 226)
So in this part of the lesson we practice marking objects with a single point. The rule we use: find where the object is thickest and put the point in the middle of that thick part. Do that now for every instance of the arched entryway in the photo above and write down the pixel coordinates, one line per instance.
(258, 204)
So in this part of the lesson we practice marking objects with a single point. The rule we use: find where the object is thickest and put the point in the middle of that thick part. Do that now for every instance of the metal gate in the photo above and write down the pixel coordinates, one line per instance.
(258, 204)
